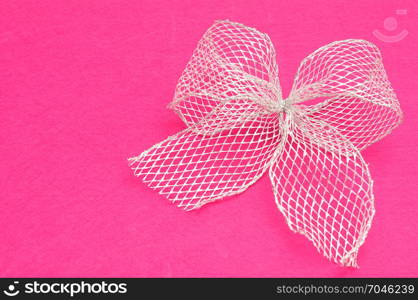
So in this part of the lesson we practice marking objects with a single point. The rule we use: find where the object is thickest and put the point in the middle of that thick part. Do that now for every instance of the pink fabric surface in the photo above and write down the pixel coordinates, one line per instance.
(84, 85)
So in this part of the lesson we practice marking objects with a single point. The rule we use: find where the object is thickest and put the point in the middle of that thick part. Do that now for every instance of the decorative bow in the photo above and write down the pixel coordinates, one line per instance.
(239, 126)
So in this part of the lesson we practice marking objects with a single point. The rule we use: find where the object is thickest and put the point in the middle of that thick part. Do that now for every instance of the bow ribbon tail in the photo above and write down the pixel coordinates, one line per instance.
(323, 188)
(220, 156)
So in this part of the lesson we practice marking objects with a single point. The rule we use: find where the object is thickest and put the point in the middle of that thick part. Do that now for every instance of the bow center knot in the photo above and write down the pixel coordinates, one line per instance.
(282, 106)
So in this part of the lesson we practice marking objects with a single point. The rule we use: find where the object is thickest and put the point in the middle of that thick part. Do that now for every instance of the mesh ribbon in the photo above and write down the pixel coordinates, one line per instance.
(239, 126)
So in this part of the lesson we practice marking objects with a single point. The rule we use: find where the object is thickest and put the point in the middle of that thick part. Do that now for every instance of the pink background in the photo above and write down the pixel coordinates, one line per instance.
(84, 85)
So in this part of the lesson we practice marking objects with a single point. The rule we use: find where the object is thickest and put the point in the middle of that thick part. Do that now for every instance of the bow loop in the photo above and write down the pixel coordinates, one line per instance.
(230, 61)
(349, 80)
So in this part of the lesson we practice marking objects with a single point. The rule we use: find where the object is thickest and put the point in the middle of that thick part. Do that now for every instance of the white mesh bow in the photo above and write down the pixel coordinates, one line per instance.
(238, 126)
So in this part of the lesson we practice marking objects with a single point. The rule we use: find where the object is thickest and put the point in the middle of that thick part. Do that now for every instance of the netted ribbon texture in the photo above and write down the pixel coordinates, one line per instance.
(239, 126)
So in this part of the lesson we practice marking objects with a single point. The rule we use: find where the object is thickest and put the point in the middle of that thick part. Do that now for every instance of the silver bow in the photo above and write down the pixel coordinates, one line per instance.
(239, 126)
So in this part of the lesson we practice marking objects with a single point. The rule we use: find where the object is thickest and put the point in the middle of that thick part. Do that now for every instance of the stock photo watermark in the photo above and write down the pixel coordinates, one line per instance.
(68, 288)
(392, 33)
